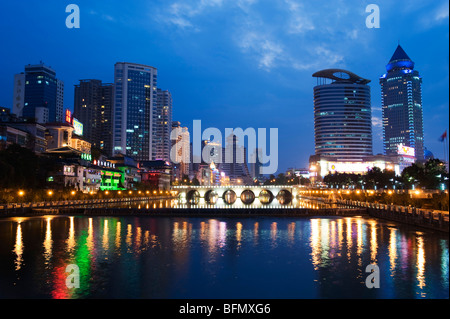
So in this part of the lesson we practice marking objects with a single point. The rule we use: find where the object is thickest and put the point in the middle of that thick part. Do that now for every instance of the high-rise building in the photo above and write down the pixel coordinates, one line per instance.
(162, 125)
(342, 115)
(401, 93)
(38, 94)
(93, 108)
(234, 162)
(59, 113)
(255, 163)
(135, 98)
(106, 118)
(180, 151)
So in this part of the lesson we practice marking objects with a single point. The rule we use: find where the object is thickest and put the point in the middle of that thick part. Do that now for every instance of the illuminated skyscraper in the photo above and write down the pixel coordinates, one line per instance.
(162, 126)
(342, 115)
(135, 100)
(180, 155)
(401, 93)
(38, 94)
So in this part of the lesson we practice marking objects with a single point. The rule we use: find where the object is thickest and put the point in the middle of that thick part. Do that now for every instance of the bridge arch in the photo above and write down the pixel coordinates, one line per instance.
(284, 197)
(247, 197)
(229, 197)
(265, 197)
(193, 197)
(211, 197)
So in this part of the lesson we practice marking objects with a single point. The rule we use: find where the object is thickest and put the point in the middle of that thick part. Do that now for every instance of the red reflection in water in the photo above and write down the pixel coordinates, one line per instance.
(60, 290)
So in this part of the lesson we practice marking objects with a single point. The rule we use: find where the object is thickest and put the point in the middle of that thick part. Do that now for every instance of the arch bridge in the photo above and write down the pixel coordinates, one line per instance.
(237, 195)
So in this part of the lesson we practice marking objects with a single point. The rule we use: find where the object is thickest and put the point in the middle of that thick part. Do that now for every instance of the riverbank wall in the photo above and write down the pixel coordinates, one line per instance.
(189, 212)
(434, 220)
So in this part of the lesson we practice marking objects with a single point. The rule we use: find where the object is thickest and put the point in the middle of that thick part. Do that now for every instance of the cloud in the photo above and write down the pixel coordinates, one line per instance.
(431, 13)
(103, 16)
(377, 121)
(266, 51)
(292, 34)
(442, 12)
(299, 19)
(331, 57)
(245, 4)
(182, 13)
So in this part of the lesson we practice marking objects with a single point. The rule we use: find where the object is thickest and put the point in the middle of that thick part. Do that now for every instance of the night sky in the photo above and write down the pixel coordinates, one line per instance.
(236, 63)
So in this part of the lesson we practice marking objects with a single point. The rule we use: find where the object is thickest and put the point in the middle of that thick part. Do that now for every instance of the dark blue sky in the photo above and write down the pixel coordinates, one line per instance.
(242, 63)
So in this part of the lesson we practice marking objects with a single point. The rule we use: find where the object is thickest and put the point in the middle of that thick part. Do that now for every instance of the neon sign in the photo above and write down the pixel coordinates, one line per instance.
(77, 127)
(405, 150)
(68, 116)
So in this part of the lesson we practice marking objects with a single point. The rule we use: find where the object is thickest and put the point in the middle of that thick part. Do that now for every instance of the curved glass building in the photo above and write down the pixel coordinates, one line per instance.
(342, 115)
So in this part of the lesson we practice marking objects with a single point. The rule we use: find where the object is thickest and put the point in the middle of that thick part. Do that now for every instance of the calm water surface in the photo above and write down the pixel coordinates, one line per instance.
(267, 257)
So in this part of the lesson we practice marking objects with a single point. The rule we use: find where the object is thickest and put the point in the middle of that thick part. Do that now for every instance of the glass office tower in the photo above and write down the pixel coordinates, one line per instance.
(342, 115)
(162, 125)
(43, 94)
(135, 99)
(401, 93)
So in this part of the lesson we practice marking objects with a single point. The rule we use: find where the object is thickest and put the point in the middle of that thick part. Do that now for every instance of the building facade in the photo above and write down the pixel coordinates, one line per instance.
(134, 101)
(321, 166)
(234, 162)
(342, 115)
(38, 94)
(162, 126)
(401, 93)
(93, 108)
(180, 151)
(155, 174)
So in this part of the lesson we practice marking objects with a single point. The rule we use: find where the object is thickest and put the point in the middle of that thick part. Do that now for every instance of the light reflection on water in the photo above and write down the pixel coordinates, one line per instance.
(145, 257)
(175, 203)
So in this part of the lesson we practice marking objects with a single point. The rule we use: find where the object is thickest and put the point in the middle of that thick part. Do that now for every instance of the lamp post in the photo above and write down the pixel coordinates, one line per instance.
(21, 193)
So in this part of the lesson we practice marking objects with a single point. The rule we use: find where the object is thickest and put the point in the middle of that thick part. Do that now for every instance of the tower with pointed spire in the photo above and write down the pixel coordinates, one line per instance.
(401, 98)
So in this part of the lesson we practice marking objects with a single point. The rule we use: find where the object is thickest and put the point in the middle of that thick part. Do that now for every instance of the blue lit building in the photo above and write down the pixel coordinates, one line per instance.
(401, 93)
(43, 94)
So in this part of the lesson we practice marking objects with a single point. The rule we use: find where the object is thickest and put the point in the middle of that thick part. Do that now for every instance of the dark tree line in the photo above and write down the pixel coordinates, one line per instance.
(22, 168)
(282, 179)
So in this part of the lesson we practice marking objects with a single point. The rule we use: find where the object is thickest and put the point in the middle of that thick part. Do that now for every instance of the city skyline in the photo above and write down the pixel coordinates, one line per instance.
(247, 78)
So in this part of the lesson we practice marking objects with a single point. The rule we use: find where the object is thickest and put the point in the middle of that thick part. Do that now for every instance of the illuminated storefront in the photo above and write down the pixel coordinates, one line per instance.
(407, 156)
(112, 180)
(321, 166)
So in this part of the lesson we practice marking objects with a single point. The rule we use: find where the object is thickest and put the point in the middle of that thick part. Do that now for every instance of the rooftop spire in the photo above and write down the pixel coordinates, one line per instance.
(399, 54)
(400, 60)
